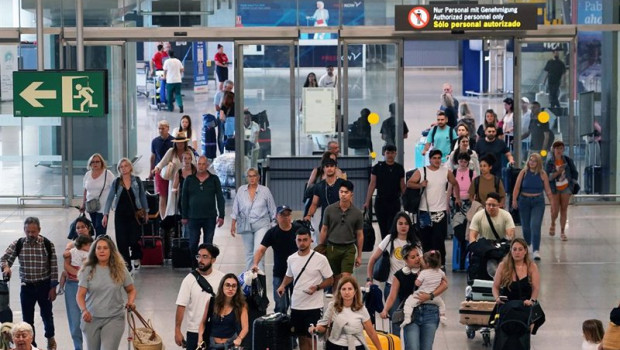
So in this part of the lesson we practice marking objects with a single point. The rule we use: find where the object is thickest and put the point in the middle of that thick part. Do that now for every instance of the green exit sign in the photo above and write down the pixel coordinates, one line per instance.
(60, 93)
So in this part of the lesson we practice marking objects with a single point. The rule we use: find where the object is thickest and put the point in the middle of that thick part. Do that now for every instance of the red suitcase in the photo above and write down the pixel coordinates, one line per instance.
(152, 251)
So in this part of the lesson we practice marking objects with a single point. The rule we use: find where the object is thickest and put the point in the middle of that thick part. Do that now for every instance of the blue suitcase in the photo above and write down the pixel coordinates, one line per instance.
(460, 261)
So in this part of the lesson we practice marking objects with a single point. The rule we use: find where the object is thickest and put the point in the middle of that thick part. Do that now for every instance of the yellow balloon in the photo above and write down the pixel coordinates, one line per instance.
(543, 153)
(543, 117)
(373, 118)
(373, 155)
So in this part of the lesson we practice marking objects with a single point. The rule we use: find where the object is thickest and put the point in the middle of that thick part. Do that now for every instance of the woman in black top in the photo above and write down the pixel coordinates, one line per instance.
(517, 277)
(420, 334)
(229, 321)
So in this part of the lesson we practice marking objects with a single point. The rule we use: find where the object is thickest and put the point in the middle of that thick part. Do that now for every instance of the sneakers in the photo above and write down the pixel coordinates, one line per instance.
(329, 295)
(536, 255)
(181, 109)
(51, 343)
(136, 264)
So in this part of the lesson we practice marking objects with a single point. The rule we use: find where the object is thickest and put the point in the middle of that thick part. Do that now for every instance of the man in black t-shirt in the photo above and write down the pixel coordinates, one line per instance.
(542, 136)
(492, 145)
(388, 178)
(555, 69)
(326, 191)
(282, 239)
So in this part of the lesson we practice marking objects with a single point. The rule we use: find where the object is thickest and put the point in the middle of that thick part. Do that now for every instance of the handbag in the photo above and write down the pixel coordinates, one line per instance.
(381, 270)
(140, 214)
(398, 316)
(576, 188)
(144, 338)
(94, 205)
(412, 196)
(167, 172)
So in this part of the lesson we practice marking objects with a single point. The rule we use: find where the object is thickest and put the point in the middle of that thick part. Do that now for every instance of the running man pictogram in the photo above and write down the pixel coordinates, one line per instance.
(85, 92)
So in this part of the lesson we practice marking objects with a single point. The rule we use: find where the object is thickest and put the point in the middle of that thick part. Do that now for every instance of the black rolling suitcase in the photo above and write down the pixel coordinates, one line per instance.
(593, 179)
(272, 332)
(181, 255)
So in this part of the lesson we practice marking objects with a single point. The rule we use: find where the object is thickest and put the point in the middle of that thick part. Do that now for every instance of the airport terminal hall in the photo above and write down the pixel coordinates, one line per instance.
(309, 175)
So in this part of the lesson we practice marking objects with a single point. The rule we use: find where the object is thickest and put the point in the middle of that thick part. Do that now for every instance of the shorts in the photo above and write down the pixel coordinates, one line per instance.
(567, 190)
(302, 319)
(161, 185)
(341, 257)
(222, 73)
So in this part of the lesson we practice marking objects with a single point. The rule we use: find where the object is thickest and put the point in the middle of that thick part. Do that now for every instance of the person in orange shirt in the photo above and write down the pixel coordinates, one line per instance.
(563, 177)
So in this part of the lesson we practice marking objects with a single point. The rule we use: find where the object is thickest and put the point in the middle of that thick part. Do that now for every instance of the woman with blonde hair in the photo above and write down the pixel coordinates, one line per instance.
(96, 189)
(128, 199)
(527, 195)
(346, 318)
(103, 279)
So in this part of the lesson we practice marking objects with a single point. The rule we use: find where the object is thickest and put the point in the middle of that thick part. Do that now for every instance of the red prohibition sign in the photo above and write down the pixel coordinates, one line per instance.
(418, 17)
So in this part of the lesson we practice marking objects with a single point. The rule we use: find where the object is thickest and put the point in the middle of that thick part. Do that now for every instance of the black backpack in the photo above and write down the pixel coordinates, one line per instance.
(411, 198)
(450, 132)
(356, 137)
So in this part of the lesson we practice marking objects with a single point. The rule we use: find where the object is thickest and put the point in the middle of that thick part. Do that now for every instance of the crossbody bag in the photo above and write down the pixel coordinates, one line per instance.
(94, 205)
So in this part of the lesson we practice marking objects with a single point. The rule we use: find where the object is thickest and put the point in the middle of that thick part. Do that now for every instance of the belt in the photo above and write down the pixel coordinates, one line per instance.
(37, 283)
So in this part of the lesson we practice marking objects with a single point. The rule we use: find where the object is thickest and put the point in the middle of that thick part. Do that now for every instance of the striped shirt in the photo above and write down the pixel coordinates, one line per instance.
(34, 264)
(264, 206)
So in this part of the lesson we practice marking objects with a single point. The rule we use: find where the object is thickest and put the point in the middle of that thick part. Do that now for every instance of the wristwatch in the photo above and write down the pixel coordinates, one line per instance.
(432, 295)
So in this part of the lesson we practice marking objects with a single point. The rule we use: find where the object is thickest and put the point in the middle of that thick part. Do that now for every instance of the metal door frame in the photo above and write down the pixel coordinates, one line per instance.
(400, 89)
(240, 97)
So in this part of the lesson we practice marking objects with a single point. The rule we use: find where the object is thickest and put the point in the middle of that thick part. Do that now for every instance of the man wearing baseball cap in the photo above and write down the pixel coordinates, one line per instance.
(282, 238)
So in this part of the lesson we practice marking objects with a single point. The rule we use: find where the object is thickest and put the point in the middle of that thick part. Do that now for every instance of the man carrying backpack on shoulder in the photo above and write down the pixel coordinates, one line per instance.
(441, 136)
(38, 272)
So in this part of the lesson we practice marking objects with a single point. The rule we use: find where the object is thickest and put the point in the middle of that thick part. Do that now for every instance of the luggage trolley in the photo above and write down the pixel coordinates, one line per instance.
(477, 304)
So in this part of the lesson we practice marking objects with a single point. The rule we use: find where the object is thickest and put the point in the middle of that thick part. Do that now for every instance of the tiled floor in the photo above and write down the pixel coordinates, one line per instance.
(579, 278)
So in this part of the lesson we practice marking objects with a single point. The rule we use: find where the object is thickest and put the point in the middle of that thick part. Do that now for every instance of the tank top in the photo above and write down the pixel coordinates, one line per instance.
(561, 183)
(224, 326)
(518, 290)
(532, 183)
(435, 191)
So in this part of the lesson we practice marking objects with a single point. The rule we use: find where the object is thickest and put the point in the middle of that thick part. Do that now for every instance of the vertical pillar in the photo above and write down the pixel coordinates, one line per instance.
(40, 50)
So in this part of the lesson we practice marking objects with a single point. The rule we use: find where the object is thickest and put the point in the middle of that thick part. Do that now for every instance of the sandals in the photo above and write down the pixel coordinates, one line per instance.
(552, 231)
(563, 237)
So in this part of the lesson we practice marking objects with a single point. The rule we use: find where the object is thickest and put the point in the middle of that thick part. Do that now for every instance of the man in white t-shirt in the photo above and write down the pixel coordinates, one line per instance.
(329, 79)
(173, 73)
(193, 298)
(433, 181)
(502, 221)
(310, 273)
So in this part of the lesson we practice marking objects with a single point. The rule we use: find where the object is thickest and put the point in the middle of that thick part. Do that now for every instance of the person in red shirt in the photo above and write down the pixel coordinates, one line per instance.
(157, 62)
(221, 66)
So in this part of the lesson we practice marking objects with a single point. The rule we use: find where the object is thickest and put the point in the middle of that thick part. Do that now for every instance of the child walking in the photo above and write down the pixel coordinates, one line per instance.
(593, 332)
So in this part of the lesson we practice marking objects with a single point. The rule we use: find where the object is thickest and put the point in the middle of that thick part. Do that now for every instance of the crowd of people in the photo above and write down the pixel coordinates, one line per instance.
(464, 174)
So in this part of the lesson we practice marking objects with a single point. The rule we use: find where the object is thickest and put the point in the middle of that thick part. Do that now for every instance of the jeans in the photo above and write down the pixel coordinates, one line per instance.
(174, 90)
(284, 302)
(74, 315)
(420, 334)
(251, 243)
(208, 228)
(96, 219)
(30, 295)
(531, 210)
(386, 293)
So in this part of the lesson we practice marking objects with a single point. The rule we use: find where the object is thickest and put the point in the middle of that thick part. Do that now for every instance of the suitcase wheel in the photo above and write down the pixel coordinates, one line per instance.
(470, 333)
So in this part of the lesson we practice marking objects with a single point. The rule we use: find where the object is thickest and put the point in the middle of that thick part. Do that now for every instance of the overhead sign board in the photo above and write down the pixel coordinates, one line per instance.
(60, 93)
(456, 17)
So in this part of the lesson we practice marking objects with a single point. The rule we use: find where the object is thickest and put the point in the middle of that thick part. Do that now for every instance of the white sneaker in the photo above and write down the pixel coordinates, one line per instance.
(136, 264)
(536, 255)
(329, 295)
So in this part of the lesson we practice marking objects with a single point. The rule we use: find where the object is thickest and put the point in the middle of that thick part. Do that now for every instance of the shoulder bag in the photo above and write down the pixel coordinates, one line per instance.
(381, 270)
(140, 214)
(94, 205)
(303, 269)
(424, 217)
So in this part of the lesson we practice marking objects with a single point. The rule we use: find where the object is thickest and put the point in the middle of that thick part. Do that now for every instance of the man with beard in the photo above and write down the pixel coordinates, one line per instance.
(193, 296)
(492, 145)
(309, 273)
(38, 271)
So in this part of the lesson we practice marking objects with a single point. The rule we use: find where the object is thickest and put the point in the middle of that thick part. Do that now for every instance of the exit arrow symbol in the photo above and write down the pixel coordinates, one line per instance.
(32, 95)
